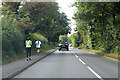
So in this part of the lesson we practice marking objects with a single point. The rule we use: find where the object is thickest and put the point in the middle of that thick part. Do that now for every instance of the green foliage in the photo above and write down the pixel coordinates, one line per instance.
(69, 40)
(10, 7)
(63, 38)
(47, 19)
(40, 20)
(75, 39)
(98, 26)
(36, 36)
(12, 38)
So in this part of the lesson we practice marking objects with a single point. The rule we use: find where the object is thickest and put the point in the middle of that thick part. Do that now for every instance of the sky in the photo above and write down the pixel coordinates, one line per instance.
(69, 11)
(0, 3)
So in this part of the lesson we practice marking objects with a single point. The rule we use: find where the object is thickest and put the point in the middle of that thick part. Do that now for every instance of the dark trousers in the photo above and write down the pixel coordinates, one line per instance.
(28, 52)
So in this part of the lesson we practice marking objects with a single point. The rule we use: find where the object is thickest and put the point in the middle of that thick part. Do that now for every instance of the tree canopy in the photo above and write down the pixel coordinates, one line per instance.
(39, 20)
(98, 25)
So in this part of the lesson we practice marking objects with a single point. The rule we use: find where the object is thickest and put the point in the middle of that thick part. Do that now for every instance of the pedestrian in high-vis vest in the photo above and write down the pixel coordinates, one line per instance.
(28, 44)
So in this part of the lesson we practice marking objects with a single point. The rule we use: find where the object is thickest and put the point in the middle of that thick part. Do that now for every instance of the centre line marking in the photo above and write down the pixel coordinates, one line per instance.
(79, 58)
(94, 72)
(81, 61)
(76, 56)
(89, 68)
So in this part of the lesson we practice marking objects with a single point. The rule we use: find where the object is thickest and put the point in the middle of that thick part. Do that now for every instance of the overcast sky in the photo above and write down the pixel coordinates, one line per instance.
(0, 3)
(69, 11)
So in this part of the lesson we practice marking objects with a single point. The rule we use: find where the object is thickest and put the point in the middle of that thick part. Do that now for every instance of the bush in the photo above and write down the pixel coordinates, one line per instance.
(12, 38)
(75, 40)
(36, 36)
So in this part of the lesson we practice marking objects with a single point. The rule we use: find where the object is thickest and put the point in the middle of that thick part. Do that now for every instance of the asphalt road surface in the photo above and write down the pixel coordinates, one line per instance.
(75, 63)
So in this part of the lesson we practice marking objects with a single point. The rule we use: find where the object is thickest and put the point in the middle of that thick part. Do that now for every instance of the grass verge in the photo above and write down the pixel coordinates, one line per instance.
(16, 56)
(99, 52)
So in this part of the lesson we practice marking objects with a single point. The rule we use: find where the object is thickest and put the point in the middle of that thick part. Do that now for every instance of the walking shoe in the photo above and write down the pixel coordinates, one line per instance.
(29, 58)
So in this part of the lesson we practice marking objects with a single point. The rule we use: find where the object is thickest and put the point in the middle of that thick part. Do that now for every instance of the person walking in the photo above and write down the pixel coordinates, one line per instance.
(28, 44)
(38, 43)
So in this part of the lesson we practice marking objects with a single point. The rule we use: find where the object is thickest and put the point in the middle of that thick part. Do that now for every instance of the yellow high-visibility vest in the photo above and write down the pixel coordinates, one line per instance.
(28, 43)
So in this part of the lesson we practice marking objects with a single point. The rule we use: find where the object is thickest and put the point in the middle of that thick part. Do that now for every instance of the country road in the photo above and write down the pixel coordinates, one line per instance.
(74, 63)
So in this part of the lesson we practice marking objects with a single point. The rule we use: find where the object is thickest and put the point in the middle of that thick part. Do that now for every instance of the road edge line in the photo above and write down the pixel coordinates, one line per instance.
(90, 69)
(18, 71)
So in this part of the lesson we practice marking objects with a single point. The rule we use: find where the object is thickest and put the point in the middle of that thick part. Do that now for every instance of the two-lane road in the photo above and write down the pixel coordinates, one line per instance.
(72, 64)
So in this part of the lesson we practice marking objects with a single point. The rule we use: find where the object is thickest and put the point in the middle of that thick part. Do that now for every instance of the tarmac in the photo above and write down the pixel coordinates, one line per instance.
(14, 68)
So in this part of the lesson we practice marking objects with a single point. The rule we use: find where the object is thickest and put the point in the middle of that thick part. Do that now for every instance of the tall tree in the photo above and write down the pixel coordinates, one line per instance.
(47, 19)
(98, 25)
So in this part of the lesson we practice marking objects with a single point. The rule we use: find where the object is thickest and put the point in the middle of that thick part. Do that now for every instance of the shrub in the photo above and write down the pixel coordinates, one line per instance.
(12, 38)
(36, 36)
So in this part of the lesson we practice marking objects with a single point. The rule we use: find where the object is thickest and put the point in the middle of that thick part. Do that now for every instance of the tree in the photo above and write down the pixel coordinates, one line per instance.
(75, 39)
(47, 19)
(98, 25)
(63, 38)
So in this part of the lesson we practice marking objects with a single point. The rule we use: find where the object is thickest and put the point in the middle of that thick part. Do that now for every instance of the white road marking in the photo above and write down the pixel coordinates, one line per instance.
(76, 56)
(82, 61)
(79, 58)
(94, 72)
(89, 68)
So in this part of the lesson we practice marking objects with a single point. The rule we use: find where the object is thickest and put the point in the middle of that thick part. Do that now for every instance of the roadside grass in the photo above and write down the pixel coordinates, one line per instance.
(16, 56)
(111, 55)
(12, 57)
(43, 48)
(99, 52)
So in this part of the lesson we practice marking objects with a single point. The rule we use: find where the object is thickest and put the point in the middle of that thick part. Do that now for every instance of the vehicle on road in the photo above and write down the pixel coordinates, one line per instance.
(64, 45)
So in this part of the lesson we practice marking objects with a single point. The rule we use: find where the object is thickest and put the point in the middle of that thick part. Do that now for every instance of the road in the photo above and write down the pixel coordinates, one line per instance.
(75, 63)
